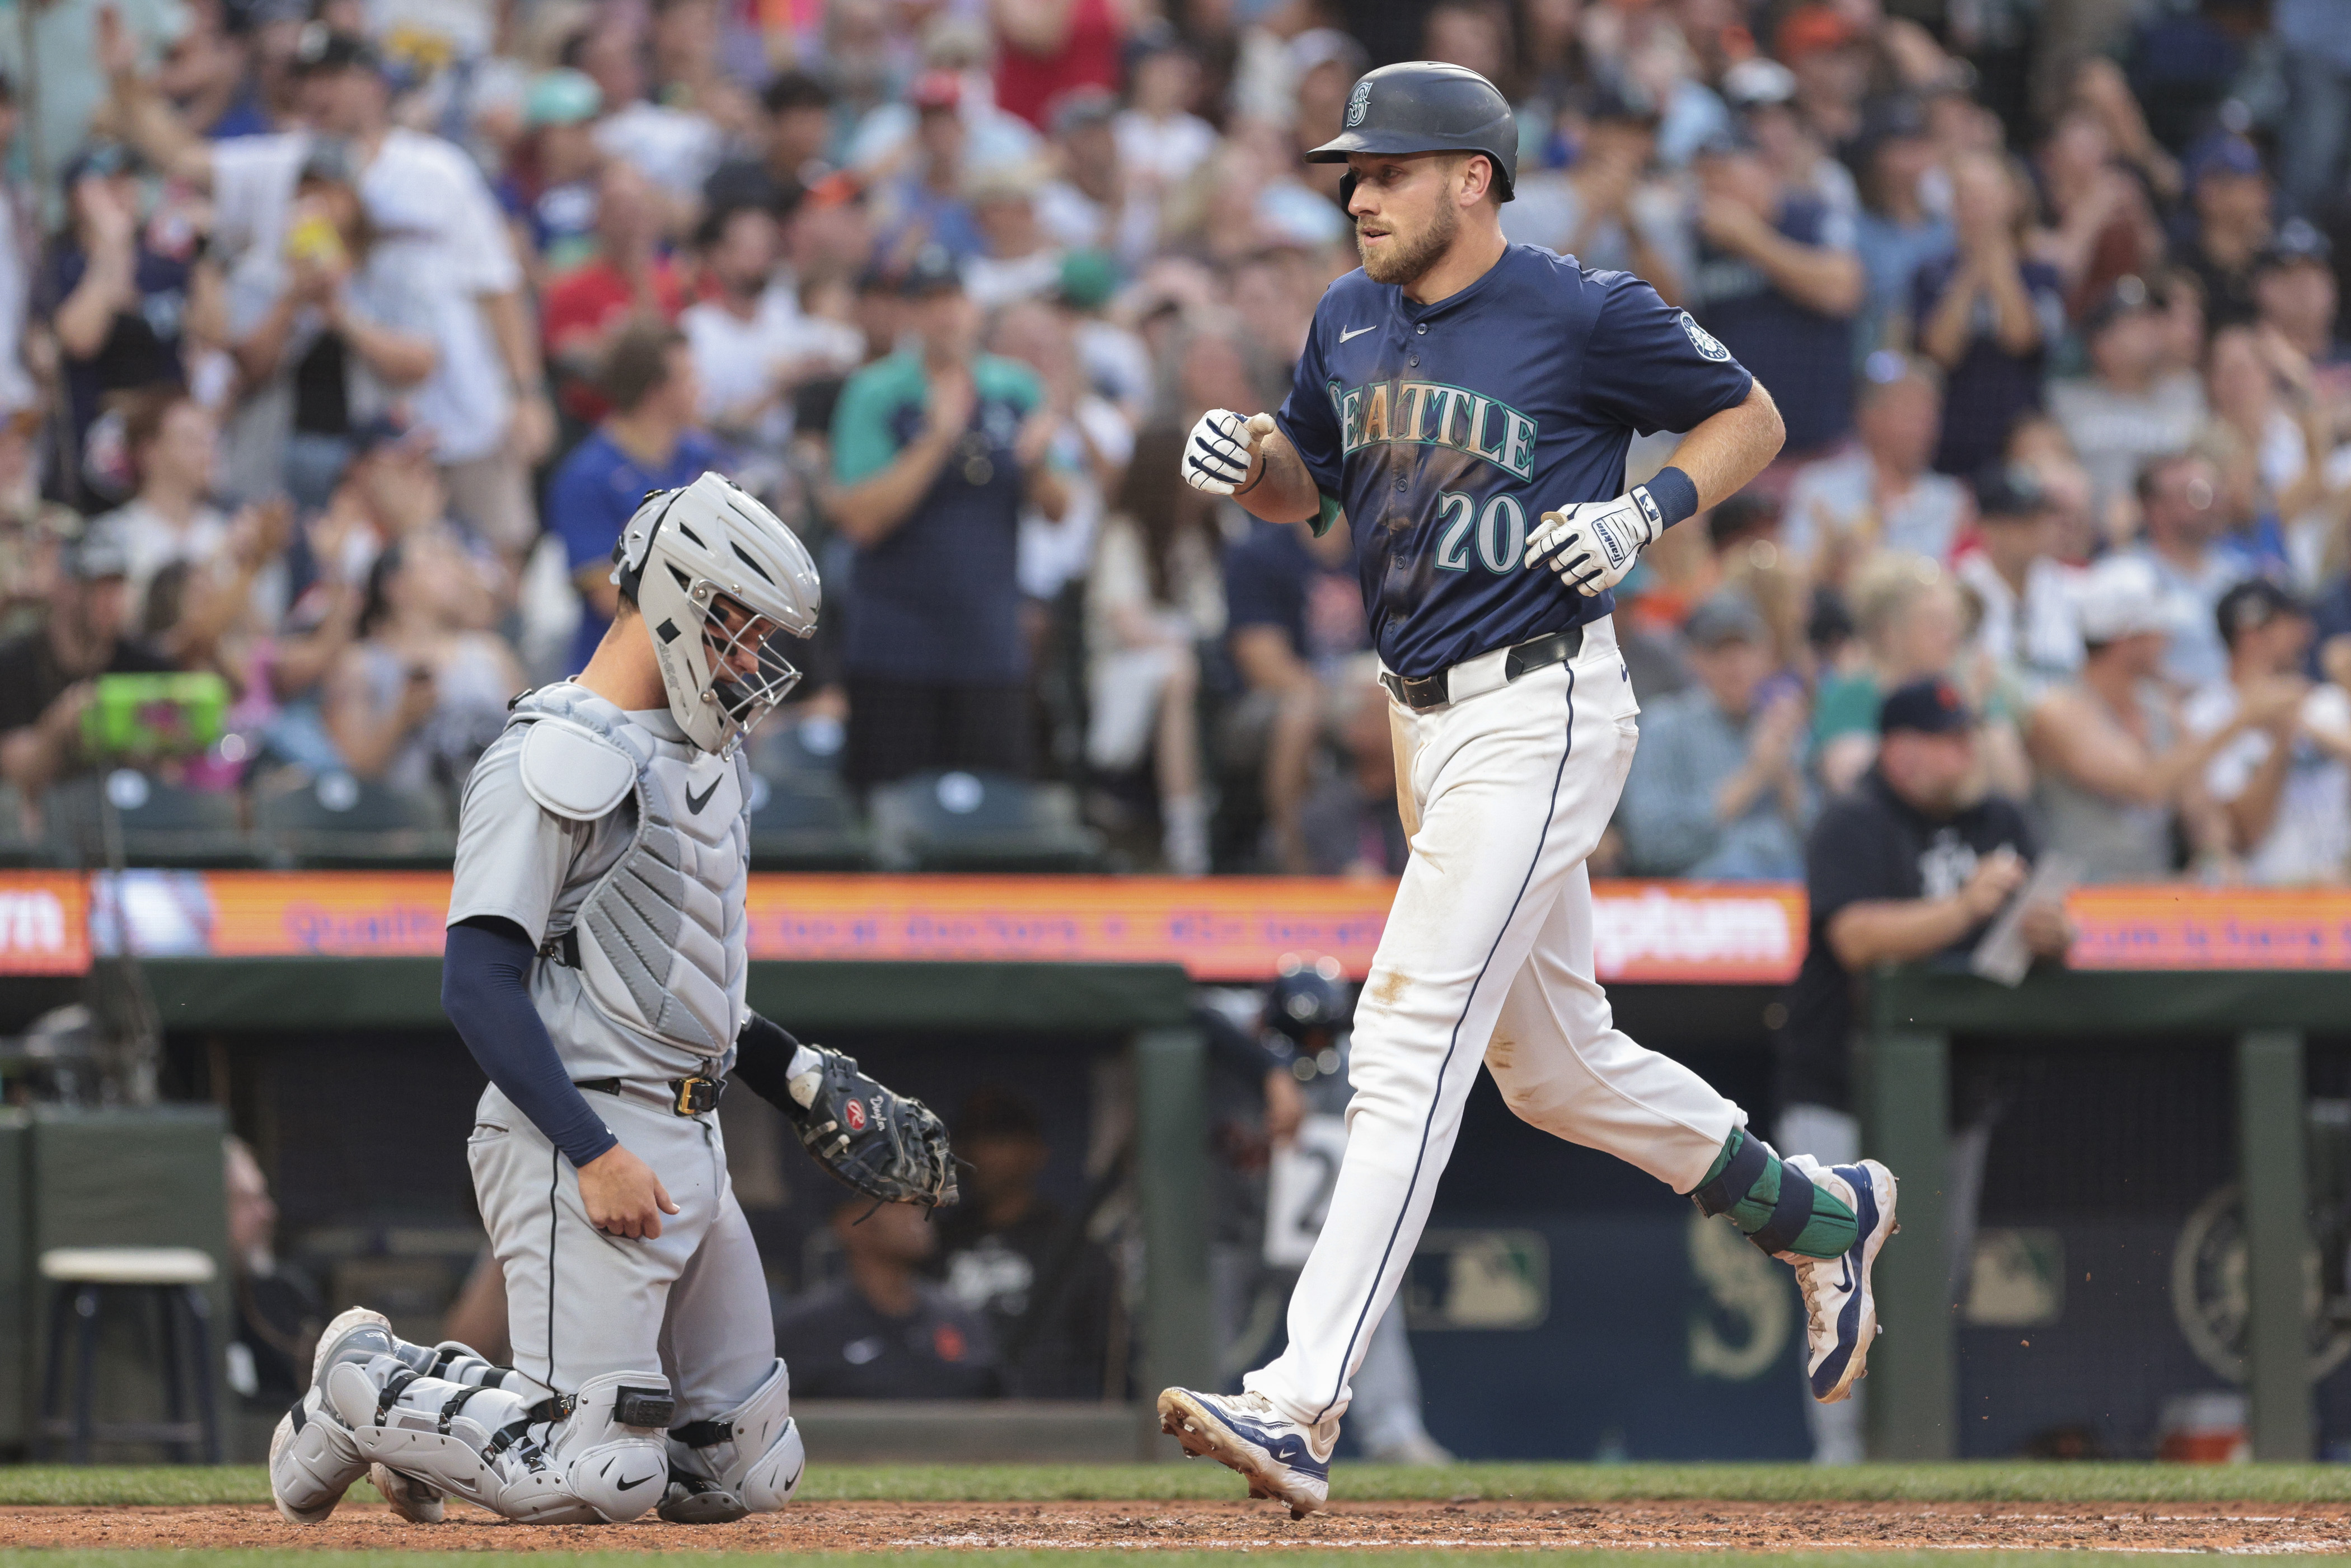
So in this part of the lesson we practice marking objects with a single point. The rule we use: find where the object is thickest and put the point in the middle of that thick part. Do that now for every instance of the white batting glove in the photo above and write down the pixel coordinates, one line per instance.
(1222, 446)
(1594, 545)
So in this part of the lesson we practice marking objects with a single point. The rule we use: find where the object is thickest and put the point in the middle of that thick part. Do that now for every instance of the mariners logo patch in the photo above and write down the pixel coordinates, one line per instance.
(1703, 340)
(1359, 103)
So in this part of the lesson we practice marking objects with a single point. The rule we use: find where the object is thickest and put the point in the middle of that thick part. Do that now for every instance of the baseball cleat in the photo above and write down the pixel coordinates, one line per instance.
(1280, 1458)
(1841, 1315)
(417, 1502)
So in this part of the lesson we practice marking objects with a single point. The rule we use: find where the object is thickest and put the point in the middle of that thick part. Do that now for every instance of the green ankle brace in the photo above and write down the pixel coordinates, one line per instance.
(1748, 1181)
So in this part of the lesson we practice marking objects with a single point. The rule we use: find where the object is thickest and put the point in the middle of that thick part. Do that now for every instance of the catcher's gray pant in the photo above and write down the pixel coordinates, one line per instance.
(691, 1302)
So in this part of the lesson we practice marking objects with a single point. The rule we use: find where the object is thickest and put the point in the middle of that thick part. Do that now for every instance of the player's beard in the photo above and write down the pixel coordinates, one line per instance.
(1405, 261)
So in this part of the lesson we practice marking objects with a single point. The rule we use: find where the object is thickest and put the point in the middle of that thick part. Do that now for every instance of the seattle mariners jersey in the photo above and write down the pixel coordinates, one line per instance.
(1445, 430)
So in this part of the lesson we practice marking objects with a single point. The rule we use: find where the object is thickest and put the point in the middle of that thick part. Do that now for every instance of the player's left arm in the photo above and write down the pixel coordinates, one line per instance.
(1651, 367)
(887, 1146)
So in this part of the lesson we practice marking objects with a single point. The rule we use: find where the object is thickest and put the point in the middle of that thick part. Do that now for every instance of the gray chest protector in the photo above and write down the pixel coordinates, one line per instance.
(662, 936)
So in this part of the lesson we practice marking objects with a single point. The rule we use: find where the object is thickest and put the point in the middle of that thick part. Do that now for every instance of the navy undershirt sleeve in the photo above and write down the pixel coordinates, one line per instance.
(763, 1060)
(485, 991)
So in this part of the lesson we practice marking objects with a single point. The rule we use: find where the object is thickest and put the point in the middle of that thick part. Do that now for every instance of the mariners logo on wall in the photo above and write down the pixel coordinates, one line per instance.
(1703, 340)
(1358, 102)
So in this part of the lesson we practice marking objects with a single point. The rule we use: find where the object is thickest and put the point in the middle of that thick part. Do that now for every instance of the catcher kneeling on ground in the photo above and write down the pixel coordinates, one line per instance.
(595, 967)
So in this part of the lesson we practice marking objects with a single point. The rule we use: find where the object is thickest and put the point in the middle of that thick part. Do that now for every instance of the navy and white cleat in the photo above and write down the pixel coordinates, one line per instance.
(1841, 1315)
(1280, 1459)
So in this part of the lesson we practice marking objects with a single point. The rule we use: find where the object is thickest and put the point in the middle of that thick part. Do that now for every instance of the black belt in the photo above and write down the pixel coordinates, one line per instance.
(563, 947)
(1422, 693)
(688, 1097)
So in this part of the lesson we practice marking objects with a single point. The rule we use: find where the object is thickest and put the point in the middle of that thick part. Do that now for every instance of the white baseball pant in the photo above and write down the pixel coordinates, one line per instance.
(691, 1302)
(1487, 956)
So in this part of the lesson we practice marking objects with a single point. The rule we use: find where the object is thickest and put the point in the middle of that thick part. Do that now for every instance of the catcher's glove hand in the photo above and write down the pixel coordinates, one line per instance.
(874, 1139)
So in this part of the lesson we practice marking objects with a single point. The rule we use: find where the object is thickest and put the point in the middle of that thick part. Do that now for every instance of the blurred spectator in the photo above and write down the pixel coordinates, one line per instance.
(627, 279)
(1048, 49)
(207, 74)
(1295, 613)
(2314, 49)
(46, 674)
(2120, 779)
(925, 204)
(278, 1312)
(675, 148)
(649, 441)
(2298, 505)
(1018, 262)
(2284, 784)
(884, 1332)
(120, 301)
(1717, 790)
(1761, 93)
(1987, 314)
(1776, 279)
(935, 449)
(1896, 232)
(1089, 204)
(1049, 1293)
(425, 687)
(172, 443)
(753, 346)
(2128, 409)
(2230, 197)
(1605, 209)
(1351, 823)
(346, 334)
(2028, 628)
(1155, 597)
(2178, 500)
(549, 188)
(1828, 52)
(1160, 140)
(1911, 625)
(2295, 301)
(1915, 862)
(2104, 227)
(19, 231)
(1879, 493)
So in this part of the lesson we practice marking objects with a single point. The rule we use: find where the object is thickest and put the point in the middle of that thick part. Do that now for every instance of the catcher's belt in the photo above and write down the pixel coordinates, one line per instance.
(688, 1096)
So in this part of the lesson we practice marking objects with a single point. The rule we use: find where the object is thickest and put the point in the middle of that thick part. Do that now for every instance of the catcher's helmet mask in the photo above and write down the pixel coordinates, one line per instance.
(1424, 105)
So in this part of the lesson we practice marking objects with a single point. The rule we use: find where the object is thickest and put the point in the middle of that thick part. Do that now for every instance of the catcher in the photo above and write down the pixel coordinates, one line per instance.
(595, 967)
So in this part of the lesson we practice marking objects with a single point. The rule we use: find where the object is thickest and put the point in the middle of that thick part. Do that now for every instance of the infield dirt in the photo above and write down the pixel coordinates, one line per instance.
(1097, 1526)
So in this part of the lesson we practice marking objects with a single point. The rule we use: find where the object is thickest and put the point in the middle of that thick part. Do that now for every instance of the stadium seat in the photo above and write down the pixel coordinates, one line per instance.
(341, 821)
(981, 822)
(164, 824)
(806, 822)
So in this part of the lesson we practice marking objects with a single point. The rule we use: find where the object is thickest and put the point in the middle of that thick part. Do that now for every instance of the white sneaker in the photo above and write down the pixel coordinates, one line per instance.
(1280, 1458)
(1840, 1313)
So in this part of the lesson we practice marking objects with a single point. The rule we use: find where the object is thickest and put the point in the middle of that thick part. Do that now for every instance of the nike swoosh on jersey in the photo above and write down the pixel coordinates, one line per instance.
(695, 806)
(1355, 332)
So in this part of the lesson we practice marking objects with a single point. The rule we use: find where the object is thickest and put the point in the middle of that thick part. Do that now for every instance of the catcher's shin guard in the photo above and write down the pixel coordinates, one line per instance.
(749, 1460)
(313, 1460)
(414, 1497)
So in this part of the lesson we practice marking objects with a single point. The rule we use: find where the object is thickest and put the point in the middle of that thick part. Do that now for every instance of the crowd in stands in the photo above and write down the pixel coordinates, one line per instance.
(339, 338)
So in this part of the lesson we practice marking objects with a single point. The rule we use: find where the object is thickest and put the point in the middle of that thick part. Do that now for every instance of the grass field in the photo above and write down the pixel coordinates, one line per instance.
(940, 1516)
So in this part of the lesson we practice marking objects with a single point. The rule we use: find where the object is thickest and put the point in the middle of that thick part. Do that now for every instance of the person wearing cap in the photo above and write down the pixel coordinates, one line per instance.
(1777, 282)
(550, 184)
(437, 224)
(937, 450)
(2284, 781)
(1829, 57)
(2229, 195)
(1717, 790)
(1605, 209)
(925, 203)
(1762, 93)
(2295, 301)
(1914, 863)
(1879, 493)
(1987, 312)
(2117, 774)
(1020, 261)
(2128, 409)
(2028, 627)
(117, 304)
(45, 673)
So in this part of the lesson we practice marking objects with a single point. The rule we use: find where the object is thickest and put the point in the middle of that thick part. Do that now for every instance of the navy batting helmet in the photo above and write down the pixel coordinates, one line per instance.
(1422, 106)
(1308, 996)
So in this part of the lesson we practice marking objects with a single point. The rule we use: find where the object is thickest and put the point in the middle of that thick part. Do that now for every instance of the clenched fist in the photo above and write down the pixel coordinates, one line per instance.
(1223, 455)
(1594, 545)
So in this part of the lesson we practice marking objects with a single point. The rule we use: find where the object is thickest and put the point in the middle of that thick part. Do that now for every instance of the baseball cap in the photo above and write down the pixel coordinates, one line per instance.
(2119, 597)
(1726, 617)
(2253, 604)
(2225, 153)
(99, 553)
(1726, 140)
(1612, 99)
(1809, 28)
(936, 89)
(933, 270)
(324, 49)
(2008, 492)
(1089, 277)
(2297, 240)
(2126, 296)
(1927, 705)
(564, 97)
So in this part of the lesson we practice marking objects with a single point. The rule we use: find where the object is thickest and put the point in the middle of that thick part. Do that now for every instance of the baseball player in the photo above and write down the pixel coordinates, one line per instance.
(595, 967)
(1466, 405)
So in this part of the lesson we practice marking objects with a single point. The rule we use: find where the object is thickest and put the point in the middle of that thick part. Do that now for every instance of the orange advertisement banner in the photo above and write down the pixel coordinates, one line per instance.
(2192, 928)
(44, 923)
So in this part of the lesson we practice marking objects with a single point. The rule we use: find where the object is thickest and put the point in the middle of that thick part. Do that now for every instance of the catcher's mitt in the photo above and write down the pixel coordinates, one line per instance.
(874, 1139)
